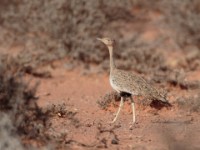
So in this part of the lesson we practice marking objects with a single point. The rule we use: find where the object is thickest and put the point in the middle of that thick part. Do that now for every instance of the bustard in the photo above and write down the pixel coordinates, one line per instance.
(128, 84)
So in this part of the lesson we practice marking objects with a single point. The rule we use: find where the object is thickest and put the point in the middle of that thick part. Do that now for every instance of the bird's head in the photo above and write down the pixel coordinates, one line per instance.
(107, 41)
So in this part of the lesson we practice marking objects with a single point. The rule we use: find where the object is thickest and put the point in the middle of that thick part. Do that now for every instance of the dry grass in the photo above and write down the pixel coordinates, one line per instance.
(69, 28)
(22, 119)
(106, 100)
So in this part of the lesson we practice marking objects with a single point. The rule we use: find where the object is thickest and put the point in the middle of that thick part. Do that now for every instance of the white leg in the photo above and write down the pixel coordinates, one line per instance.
(120, 106)
(133, 109)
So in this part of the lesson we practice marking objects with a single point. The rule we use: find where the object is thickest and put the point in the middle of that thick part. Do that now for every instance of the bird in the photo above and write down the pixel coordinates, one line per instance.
(128, 84)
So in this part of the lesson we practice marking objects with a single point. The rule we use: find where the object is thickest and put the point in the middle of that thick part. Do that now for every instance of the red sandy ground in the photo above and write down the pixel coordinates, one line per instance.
(171, 128)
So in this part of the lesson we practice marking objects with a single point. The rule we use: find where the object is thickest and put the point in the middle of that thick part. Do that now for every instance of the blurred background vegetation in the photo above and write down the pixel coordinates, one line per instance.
(49, 30)
(148, 32)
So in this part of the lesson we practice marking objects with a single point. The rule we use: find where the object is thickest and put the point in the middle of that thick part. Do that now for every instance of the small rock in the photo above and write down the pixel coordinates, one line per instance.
(59, 114)
(115, 141)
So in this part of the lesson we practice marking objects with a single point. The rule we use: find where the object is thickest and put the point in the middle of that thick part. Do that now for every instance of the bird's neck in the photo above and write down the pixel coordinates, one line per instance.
(112, 63)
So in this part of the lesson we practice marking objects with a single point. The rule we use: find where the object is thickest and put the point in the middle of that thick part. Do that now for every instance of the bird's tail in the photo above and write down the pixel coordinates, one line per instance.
(162, 97)
(164, 101)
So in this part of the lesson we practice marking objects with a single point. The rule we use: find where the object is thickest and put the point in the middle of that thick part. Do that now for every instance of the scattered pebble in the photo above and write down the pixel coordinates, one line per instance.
(115, 141)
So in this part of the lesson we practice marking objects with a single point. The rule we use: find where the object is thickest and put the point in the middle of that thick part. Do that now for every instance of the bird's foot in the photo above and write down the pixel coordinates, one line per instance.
(133, 125)
(113, 121)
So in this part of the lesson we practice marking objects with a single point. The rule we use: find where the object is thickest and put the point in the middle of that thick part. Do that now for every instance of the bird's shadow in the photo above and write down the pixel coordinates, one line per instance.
(159, 104)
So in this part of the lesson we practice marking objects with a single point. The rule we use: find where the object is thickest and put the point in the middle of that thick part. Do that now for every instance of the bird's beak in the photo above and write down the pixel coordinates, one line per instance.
(99, 39)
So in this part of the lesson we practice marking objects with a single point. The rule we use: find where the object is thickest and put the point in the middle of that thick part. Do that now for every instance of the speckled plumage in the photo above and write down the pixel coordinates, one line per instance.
(123, 81)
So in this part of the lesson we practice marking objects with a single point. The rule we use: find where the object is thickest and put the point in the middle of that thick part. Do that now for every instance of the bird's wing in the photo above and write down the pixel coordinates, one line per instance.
(124, 82)
(131, 83)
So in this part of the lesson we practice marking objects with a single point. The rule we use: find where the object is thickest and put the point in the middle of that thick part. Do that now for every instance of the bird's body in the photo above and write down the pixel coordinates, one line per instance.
(123, 81)
(128, 84)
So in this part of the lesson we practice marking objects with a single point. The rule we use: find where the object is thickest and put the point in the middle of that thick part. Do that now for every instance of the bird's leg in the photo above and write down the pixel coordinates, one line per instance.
(133, 108)
(120, 106)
